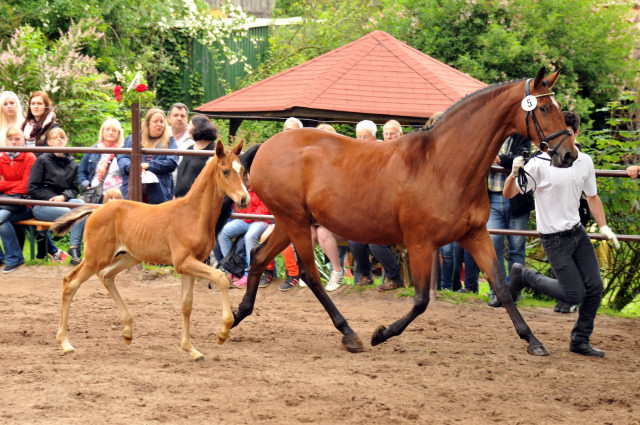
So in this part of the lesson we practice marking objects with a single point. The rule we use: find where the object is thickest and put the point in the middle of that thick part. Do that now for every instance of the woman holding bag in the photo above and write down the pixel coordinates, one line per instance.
(100, 170)
(155, 135)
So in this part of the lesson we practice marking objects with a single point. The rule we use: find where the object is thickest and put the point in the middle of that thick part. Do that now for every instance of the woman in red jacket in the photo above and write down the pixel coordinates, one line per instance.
(251, 229)
(14, 176)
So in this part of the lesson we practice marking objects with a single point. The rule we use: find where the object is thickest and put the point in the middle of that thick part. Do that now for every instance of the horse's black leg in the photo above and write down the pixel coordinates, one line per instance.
(481, 248)
(421, 262)
(350, 340)
(259, 259)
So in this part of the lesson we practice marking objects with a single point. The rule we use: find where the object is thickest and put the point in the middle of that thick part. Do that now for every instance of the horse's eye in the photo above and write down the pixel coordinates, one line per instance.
(225, 173)
(545, 109)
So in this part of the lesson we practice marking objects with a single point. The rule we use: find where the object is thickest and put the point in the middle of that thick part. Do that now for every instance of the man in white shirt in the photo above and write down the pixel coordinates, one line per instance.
(178, 120)
(564, 239)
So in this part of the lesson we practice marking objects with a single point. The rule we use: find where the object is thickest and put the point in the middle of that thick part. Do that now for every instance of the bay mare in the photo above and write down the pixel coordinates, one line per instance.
(424, 189)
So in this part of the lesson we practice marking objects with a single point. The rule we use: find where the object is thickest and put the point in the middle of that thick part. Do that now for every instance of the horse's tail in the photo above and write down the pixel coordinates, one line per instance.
(62, 224)
(246, 159)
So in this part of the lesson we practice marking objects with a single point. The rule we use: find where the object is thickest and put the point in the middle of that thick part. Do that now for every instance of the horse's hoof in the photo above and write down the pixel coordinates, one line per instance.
(220, 340)
(352, 343)
(69, 351)
(127, 340)
(236, 321)
(199, 359)
(378, 336)
(538, 350)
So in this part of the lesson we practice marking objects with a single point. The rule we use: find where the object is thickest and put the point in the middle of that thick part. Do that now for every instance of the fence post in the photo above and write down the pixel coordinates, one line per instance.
(135, 184)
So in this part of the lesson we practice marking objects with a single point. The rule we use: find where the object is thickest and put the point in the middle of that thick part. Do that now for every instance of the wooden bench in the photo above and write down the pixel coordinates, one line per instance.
(33, 226)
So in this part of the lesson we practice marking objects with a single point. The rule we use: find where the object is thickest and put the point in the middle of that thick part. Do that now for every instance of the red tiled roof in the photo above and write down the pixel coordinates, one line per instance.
(376, 76)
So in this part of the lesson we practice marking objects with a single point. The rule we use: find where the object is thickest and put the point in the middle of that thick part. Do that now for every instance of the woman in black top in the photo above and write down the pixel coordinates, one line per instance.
(54, 177)
(205, 134)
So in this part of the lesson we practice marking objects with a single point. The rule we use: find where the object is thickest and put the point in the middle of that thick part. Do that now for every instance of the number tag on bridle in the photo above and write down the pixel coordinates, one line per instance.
(529, 103)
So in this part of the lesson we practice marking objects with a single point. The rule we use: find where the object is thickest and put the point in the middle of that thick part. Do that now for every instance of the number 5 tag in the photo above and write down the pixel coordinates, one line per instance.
(529, 103)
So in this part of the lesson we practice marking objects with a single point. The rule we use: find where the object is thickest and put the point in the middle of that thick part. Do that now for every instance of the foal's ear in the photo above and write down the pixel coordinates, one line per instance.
(219, 149)
(238, 148)
(539, 77)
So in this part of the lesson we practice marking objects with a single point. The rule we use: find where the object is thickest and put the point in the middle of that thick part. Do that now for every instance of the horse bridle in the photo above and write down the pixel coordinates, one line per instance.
(544, 145)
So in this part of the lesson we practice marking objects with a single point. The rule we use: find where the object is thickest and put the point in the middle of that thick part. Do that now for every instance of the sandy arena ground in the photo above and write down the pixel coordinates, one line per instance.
(456, 364)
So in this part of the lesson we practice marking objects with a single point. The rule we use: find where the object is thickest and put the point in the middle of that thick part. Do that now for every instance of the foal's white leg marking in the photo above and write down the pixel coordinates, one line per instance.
(187, 306)
(71, 284)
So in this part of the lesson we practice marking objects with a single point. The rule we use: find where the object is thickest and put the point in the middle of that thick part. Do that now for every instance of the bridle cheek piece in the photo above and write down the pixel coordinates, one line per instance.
(544, 140)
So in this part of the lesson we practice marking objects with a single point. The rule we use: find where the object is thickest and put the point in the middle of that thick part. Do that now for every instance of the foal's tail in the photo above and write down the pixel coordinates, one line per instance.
(246, 159)
(62, 224)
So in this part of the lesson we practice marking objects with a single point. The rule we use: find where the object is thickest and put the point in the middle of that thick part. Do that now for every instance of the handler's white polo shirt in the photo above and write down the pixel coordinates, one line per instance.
(558, 191)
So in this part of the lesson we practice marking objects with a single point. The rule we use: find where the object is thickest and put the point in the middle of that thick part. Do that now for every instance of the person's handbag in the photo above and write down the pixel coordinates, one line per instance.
(93, 195)
(13, 208)
(234, 262)
(522, 204)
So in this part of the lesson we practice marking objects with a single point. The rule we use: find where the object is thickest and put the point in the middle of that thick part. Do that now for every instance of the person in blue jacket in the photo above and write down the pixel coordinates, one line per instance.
(155, 134)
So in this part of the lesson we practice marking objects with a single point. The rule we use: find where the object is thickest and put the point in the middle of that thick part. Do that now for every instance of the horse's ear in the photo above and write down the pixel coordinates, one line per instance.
(219, 149)
(539, 77)
(552, 79)
(238, 148)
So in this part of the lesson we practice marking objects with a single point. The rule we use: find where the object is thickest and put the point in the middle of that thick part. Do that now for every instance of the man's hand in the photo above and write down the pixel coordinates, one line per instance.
(608, 233)
(518, 163)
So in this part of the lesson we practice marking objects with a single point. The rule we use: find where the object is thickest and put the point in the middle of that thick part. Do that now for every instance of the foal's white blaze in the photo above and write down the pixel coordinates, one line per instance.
(237, 166)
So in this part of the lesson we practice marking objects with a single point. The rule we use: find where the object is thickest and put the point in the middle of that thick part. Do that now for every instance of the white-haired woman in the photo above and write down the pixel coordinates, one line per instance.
(10, 114)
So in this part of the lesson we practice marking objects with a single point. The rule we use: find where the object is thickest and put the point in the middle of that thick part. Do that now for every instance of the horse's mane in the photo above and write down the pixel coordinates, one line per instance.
(246, 159)
(468, 100)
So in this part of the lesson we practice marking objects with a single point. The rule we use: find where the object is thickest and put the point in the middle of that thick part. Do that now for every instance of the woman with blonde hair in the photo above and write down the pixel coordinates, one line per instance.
(40, 119)
(102, 168)
(155, 135)
(15, 168)
(10, 114)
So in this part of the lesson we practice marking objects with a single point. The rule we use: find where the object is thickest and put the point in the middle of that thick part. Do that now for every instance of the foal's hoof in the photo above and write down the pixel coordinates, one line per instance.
(352, 343)
(538, 350)
(127, 340)
(378, 336)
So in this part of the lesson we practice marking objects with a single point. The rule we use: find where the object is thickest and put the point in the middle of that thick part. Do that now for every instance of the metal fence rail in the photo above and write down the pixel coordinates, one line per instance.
(145, 151)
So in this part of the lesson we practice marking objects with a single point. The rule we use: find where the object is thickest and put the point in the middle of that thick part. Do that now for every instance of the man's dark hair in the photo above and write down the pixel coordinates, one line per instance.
(203, 129)
(572, 120)
(180, 106)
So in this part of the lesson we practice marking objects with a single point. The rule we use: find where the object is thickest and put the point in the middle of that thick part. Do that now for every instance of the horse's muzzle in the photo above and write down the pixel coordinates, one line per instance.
(243, 202)
(564, 160)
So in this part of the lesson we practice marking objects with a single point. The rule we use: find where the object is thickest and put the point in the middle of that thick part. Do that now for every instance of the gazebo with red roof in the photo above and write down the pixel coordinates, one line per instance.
(375, 77)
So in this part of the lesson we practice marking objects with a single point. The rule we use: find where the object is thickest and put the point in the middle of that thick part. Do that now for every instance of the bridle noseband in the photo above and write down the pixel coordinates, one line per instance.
(544, 145)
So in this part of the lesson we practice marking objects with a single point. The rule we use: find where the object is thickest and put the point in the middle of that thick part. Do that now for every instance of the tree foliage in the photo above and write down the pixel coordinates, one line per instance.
(496, 41)
(612, 148)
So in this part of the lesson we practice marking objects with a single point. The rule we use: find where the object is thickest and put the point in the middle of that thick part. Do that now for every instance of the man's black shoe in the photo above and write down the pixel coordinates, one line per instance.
(516, 280)
(494, 302)
(585, 349)
(75, 256)
(566, 308)
(9, 269)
